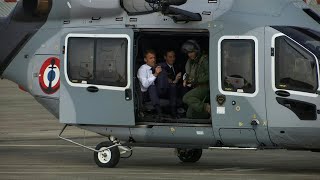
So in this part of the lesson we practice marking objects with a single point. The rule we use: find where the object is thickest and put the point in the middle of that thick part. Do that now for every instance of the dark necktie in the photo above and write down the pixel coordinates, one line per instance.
(172, 71)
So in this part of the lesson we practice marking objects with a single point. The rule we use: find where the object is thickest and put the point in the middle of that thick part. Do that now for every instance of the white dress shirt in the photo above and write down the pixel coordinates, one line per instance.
(145, 77)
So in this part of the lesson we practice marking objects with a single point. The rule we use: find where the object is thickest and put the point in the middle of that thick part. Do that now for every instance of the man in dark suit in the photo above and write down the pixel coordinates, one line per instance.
(168, 80)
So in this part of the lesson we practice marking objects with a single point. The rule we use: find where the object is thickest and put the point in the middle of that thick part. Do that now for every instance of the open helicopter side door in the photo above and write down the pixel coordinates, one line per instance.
(96, 78)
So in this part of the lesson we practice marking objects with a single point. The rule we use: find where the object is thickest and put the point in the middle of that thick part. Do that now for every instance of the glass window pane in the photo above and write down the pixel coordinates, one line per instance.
(296, 68)
(99, 61)
(308, 38)
(111, 58)
(80, 59)
(238, 63)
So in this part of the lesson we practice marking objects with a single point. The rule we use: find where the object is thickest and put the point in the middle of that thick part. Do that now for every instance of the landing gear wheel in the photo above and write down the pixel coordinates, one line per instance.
(189, 155)
(107, 158)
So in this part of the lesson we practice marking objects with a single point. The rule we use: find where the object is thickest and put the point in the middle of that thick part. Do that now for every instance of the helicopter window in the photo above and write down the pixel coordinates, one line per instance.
(295, 67)
(238, 65)
(100, 61)
(80, 59)
(308, 38)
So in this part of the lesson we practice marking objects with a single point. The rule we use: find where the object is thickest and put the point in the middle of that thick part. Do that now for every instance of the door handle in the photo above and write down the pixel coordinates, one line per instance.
(283, 93)
(92, 89)
(128, 94)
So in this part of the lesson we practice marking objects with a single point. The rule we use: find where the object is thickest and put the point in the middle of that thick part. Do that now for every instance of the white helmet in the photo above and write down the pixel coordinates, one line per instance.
(190, 46)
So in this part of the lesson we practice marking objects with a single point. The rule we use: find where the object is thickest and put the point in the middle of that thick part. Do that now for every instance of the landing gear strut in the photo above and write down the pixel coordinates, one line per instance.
(189, 155)
(106, 154)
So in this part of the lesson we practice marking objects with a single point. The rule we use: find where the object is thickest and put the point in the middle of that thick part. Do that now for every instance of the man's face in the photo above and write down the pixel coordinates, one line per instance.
(170, 57)
(150, 59)
(192, 55)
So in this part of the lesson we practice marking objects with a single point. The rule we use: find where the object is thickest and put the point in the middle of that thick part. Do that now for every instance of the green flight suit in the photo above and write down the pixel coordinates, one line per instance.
(198, 75)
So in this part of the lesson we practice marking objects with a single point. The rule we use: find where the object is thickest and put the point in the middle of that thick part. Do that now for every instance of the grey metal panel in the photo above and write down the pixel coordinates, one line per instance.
(288, 13)
(81, 16)
(82, 13)
(174, 135)
(21, 69)
(259, 7)
(96, 8)
(106, 107)
(121, 133)
(296, 137)
(245, 109)
(239, 137)
(60, 11)
(52, 44)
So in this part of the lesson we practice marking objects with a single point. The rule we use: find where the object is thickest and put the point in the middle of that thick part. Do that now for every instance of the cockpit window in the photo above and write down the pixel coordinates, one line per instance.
(6, 8)
(308, 38)
(295, 67)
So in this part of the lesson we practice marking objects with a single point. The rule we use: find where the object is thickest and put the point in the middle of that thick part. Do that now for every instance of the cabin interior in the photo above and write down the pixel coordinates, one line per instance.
(160, 42)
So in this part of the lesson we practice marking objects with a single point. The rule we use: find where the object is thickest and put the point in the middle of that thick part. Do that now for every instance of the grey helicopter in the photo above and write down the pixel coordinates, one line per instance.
(80, 60)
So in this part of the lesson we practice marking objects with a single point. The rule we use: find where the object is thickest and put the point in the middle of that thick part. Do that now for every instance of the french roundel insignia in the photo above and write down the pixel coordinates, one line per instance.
(49, 75)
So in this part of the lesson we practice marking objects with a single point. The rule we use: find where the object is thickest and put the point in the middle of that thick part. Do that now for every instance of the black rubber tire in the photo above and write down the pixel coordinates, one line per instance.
(189, 155)
(115, 155)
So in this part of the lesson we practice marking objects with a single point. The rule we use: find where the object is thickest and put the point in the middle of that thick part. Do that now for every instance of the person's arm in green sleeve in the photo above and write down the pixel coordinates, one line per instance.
(203, 72)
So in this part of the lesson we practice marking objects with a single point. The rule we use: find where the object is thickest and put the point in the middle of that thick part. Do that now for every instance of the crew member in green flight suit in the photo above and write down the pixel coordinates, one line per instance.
(196, 78)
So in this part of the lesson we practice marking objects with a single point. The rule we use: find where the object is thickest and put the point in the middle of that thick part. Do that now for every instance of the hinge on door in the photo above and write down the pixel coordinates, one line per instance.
(272, 52)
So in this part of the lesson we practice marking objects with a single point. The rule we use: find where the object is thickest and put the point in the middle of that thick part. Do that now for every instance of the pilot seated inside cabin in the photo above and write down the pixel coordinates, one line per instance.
(197, 79)
(154, 82)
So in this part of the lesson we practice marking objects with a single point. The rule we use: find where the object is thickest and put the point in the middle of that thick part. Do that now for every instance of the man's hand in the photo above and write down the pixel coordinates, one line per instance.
(178, 76)
(184, 83)
(158, 70)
